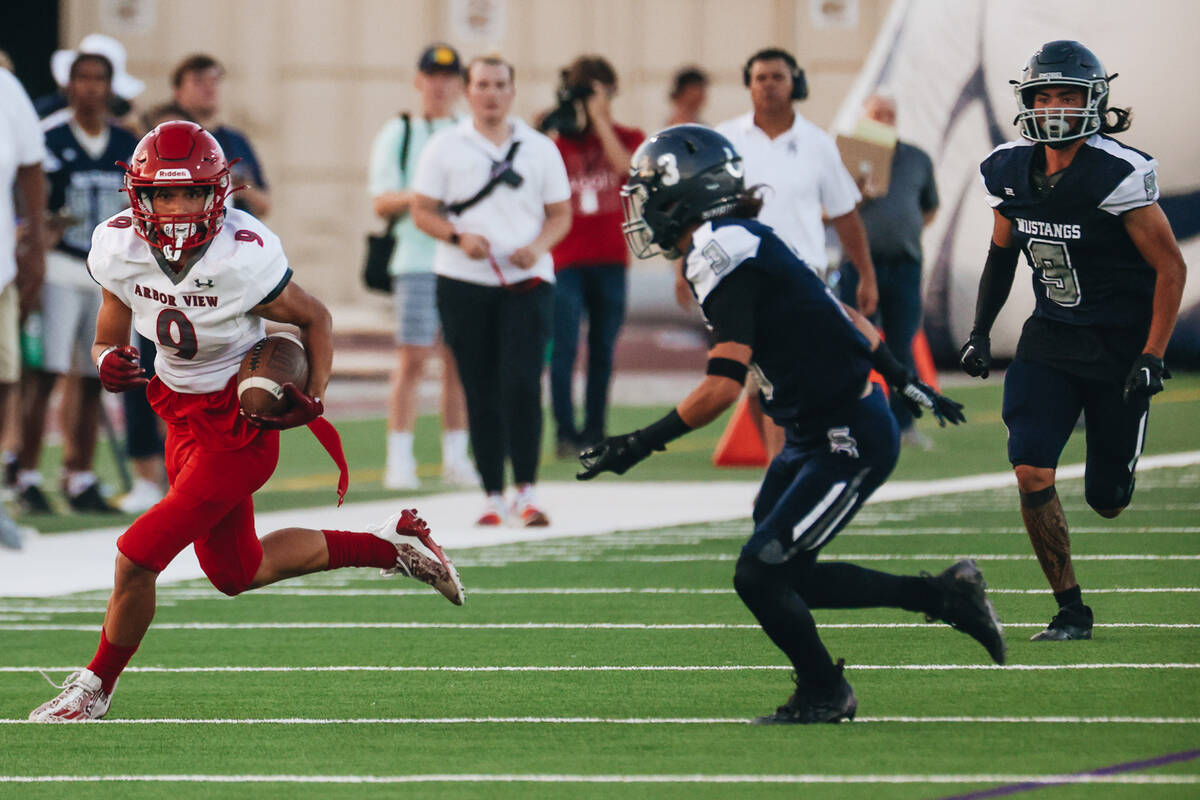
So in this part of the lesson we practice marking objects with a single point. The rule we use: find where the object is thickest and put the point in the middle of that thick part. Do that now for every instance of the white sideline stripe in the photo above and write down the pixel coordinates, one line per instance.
(210, 594)
(625, 721)
(519, 626)
(1132, 779)
(667, 559)
(624, 668)
(63, 563)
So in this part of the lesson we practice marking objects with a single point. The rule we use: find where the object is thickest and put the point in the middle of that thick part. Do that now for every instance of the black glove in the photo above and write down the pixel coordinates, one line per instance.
(614, 454)
(1147, 376)
(918, 396)
(976, 355)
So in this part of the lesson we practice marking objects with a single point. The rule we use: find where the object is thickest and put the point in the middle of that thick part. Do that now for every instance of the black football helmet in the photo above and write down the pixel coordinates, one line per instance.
(1062, 63)
(679, 176)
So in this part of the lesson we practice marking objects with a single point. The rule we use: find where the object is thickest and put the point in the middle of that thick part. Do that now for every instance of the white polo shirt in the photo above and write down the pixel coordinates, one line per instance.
(457, 162)
(806, 176)
(21, 145)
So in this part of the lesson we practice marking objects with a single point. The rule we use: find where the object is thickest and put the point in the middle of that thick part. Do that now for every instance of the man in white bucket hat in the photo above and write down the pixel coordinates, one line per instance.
(125, 87)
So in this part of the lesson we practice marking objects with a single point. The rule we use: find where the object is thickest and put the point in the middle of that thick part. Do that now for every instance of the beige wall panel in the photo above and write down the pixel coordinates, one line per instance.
(312, 81)
(392, 33)
(315, 115)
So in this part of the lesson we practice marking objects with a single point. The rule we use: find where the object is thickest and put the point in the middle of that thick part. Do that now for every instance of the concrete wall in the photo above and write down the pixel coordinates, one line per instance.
(311, 81)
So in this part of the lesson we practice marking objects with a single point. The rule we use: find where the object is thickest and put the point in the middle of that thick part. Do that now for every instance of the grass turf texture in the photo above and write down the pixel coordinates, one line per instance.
(915, 534)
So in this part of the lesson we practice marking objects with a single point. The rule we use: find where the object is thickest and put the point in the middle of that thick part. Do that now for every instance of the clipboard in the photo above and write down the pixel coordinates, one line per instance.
(868, 158)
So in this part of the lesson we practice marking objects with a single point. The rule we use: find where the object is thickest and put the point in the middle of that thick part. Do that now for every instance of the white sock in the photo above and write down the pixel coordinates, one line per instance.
(399, 448)
(79, 482)
(526, 496)
(454, 446)
(27, 478)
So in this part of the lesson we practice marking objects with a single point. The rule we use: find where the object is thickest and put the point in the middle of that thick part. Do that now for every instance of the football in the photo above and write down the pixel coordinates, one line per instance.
(271, 362)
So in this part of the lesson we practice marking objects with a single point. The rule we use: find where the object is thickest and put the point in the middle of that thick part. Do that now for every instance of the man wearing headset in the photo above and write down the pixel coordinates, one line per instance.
(808, 182)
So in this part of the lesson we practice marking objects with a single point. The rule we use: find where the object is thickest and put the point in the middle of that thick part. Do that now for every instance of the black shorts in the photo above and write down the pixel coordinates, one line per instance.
(1041, 405)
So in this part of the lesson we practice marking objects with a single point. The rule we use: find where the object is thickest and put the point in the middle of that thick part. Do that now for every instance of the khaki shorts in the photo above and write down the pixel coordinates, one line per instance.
(10, 346)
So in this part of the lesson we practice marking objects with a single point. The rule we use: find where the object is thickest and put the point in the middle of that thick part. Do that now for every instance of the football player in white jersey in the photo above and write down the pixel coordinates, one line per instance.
(200, 280)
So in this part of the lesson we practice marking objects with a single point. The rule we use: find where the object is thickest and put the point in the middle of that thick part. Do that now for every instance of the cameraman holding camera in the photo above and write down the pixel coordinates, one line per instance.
(590, 262)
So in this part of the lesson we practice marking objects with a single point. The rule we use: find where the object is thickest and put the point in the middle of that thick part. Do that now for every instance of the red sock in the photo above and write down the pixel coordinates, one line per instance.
(109, 661)
(348, 549)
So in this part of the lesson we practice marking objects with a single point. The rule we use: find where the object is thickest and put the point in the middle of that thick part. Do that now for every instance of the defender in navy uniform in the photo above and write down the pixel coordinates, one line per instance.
(1108, 277)
(771, 314)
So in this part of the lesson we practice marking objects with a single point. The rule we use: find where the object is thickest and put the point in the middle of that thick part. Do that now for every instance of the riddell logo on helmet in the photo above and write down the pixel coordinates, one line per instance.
(173, 174)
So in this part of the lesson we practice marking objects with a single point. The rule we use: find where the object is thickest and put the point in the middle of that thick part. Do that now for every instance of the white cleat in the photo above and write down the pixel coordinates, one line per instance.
(460, 473)
(81, 700)
(401, 529)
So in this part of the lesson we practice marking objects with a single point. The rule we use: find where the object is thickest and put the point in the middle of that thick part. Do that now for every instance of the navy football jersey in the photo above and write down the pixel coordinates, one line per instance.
(88, 189)
(1086, 269)
(808, 356)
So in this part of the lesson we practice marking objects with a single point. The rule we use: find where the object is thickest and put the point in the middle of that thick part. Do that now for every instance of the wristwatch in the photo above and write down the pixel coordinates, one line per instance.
(453, 238)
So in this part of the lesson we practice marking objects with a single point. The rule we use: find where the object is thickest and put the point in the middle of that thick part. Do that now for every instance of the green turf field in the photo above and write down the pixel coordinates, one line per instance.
(624, 665)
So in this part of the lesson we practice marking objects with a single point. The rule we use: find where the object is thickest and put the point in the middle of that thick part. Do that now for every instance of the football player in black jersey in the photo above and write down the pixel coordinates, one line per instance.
(770, 313)
(1107, 277)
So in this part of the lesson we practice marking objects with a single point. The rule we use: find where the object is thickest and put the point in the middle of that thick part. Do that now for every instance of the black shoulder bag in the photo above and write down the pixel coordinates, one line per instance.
(380, 246)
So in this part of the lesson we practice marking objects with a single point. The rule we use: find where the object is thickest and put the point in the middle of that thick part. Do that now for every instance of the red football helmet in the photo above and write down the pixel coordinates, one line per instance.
(177, 153)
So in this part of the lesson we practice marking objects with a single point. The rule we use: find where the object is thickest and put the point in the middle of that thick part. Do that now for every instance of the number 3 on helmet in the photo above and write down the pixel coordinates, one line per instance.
(177, 154)
(679, 176)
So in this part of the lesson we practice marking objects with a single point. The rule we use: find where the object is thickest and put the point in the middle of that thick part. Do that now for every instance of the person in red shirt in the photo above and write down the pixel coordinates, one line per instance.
(590, 263)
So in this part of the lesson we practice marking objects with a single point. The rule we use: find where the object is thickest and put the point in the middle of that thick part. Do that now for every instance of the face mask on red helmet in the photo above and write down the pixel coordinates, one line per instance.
(177, 154)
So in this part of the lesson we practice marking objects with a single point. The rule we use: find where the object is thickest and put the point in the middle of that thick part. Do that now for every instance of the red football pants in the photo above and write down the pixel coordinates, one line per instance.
(209, 506)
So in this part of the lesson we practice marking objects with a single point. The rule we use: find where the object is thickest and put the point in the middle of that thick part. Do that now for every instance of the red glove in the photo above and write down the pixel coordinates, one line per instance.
(301, 411)
(120, 370)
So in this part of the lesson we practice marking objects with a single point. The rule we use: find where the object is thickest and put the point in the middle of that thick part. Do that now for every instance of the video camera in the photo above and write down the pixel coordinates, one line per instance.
(567, 117)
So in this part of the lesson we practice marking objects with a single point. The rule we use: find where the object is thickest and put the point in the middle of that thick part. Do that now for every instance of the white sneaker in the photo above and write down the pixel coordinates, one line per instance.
(81, 700)
(494, 513)
(400, 529)
(142, 496)
(527, 510)
(401, 477)
(460, 473)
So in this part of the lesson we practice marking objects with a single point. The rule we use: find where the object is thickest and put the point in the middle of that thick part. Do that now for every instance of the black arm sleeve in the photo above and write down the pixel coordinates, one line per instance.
(994, 286)
(730, 306)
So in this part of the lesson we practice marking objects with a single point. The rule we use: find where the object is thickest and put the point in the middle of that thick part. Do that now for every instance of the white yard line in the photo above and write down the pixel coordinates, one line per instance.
(524, 626)
(72, 562)
(500, 560)
(298, 591)
(966, 778)
(626, 721)
(624, 668)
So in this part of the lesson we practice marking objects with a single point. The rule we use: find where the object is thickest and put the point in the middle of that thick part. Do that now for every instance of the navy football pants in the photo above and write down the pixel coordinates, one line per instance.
(1041, 405)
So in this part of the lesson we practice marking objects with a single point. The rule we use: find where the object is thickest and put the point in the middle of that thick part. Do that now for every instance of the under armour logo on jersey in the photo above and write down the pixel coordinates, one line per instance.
(207, 283)
(840, 441)
(1009, 192)
(792, 148)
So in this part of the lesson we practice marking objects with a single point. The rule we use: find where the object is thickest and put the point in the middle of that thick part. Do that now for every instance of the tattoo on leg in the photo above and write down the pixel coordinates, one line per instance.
(1047, 527)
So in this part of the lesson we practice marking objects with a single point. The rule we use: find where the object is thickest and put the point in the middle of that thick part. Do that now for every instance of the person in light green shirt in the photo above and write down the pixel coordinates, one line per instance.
(439, 84)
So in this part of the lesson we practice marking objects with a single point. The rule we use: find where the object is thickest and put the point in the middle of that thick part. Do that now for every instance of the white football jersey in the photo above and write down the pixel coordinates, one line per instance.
(200, 318)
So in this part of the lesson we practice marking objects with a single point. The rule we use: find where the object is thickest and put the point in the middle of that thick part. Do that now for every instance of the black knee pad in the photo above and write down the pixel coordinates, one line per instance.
(1109, 494)
(754, 578)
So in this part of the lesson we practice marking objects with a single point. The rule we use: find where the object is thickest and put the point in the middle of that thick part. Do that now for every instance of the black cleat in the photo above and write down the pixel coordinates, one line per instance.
(90, 500)
(1072, 621)
(965, 606)
(32, 500)
(812, 704)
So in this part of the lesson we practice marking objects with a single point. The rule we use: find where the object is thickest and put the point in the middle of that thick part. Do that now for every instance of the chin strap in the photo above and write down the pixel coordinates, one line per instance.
(328, 436)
